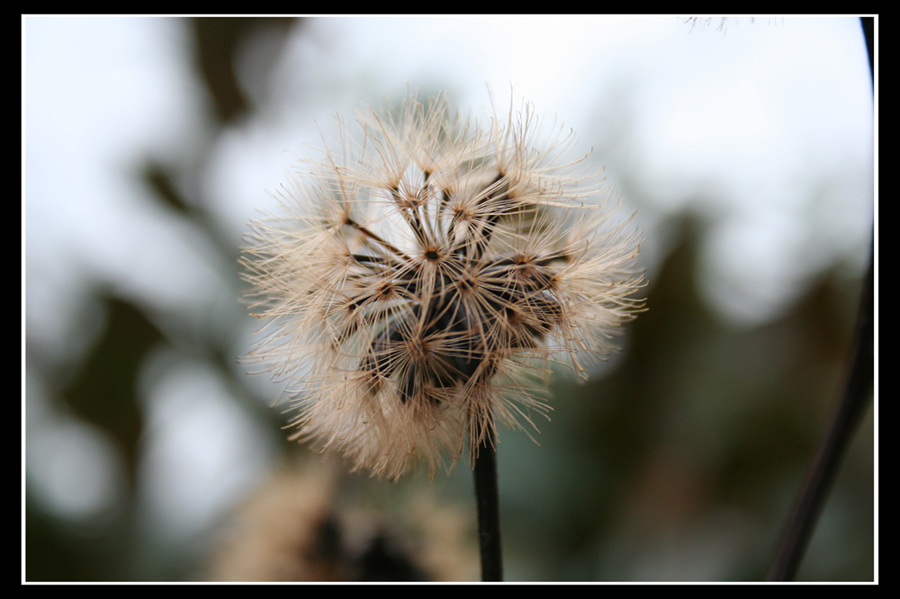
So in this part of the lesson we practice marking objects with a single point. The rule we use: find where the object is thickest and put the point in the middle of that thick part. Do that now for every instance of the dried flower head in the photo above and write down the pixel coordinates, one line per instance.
(423, 272)
(304, 523)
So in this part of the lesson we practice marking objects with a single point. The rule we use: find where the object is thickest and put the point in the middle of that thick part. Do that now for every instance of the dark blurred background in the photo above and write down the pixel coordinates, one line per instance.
(152, 455)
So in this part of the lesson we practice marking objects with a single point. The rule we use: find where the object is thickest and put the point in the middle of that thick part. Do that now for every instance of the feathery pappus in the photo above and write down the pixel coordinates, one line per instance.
(426, 272)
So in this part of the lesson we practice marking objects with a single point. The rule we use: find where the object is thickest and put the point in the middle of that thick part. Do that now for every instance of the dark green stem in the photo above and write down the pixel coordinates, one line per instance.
(853, 404)
(488, 501)
(854, 401)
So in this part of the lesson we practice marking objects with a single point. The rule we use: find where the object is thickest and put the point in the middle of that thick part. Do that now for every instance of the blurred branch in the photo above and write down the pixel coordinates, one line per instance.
(854, 402)
(217, 40)
(852, 407)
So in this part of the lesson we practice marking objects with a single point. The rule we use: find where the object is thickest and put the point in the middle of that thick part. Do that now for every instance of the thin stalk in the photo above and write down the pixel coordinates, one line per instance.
(488, 500)
(854, 401)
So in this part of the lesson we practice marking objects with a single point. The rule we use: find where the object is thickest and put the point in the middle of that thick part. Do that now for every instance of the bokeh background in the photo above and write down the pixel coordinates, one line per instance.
(744, 144)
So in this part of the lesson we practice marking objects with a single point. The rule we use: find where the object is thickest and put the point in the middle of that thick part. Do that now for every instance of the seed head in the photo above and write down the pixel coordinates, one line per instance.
(425, 273)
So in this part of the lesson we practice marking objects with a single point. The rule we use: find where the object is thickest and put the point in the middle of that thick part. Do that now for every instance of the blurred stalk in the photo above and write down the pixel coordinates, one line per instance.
(854, 402)
(852, 407)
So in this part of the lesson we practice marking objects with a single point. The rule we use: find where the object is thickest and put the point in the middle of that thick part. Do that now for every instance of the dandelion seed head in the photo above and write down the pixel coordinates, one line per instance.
(424, 275)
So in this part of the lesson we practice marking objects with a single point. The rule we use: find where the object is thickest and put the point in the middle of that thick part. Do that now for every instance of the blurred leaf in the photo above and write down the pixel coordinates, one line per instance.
(104, 392)
(217, 39)
(159, 180)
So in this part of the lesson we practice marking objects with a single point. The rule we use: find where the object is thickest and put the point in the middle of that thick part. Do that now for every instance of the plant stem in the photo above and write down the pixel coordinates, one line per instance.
(488, 501)
(860, 379)
(853, 404)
